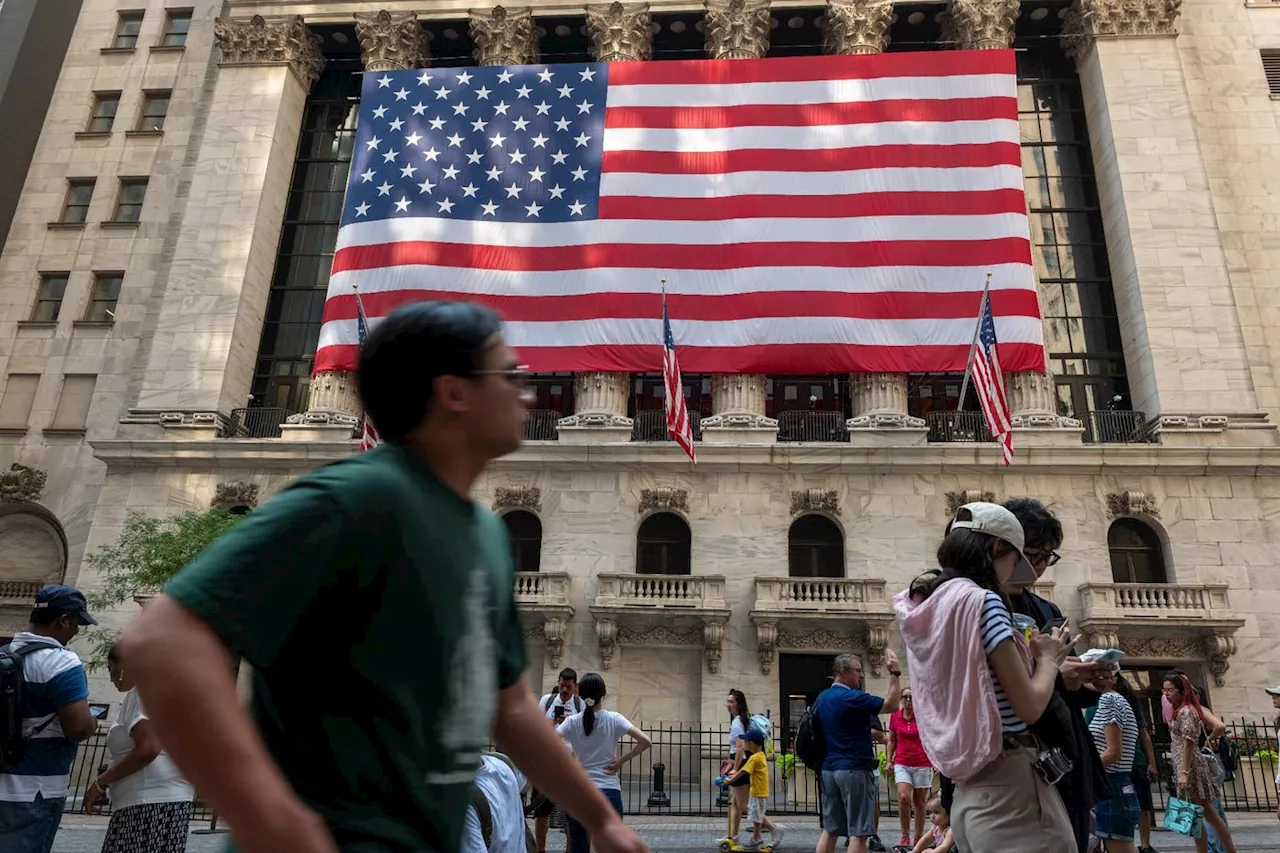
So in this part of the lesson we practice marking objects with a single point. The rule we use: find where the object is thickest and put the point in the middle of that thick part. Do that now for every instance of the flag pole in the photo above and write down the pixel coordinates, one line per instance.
(973, 347)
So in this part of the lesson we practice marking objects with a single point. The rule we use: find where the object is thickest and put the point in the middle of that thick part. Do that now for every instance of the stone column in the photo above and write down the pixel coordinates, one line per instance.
(1183, 338)
(388, 42)
(201, 363)
(738, 29)
(1033, 399)
(504, 36)
(619, 32)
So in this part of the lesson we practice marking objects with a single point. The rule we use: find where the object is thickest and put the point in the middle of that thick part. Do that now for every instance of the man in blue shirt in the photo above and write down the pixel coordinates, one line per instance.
(845, 714)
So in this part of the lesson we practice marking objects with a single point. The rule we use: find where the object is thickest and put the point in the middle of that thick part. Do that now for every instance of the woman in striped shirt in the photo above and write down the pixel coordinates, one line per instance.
(1115, 735)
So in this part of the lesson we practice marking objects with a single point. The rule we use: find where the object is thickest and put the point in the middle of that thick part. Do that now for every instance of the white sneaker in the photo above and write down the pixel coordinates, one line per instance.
(777, 832)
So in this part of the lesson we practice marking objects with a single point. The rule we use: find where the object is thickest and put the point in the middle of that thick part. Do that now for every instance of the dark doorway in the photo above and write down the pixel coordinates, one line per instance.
(800, 679)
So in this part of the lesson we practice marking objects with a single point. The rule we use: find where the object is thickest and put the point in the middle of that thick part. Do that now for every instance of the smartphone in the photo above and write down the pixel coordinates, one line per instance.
(1054, 623)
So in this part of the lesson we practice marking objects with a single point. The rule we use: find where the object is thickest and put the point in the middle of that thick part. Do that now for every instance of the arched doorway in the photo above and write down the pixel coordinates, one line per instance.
(526, 539)
(815, 548)
(663, 545)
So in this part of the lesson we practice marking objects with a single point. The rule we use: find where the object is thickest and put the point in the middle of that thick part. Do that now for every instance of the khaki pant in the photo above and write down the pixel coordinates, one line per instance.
(1009, 806)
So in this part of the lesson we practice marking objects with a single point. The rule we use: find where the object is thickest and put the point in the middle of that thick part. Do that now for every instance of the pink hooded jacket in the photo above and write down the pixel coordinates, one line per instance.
(956, 701)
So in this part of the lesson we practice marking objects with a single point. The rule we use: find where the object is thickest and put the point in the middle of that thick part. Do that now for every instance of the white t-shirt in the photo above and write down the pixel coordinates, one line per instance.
(596, 750)
(159, 781)
(501, 785)
(551, 701)
(736, 728)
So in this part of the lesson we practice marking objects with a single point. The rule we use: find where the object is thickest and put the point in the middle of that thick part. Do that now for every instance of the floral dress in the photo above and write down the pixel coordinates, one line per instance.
(1201, 782)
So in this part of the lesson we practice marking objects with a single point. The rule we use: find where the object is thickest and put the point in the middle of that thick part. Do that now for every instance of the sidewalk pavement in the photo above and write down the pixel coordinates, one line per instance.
(1254, 832)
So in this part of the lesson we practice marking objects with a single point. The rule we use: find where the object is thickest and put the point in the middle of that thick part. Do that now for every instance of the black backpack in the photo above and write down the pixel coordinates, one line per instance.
(12, 685)
(811, 745)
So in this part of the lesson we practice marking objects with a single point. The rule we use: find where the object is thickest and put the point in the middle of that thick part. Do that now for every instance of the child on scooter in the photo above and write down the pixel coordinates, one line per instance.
(939, 839)
(756, 767)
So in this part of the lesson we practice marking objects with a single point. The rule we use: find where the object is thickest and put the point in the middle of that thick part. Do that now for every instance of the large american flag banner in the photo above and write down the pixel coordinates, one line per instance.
(988, 381)
(815, 214)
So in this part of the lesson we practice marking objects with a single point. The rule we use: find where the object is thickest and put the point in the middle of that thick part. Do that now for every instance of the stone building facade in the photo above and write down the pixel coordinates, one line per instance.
(161, 284)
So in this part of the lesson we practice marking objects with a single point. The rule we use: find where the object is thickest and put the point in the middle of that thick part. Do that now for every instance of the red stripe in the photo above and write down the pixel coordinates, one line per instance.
(896, 305)
(765, 358)
(974, 155)
(950, 63)
(812, 115)
(977, 203)
(724, 256)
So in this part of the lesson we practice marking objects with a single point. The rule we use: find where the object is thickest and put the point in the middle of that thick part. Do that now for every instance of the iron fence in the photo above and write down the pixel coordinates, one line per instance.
(651, 425)
(257, 422)
(541, 425)
(676, 776)
(1114, 427)
(805, 425)
(955, 426)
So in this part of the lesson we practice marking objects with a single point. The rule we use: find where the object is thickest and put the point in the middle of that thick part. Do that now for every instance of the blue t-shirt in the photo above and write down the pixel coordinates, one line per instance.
(846, 715)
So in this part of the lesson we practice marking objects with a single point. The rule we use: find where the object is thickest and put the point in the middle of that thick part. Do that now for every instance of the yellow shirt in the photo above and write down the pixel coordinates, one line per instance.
(757, 767)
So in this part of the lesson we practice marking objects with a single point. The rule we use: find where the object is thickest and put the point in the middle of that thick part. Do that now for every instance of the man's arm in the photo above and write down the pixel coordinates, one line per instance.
(542, 756)
(76, 721)
(190, 695)
(894, 696)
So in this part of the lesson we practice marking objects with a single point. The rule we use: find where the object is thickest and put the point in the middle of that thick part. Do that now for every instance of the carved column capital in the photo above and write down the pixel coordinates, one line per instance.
(1088, 20)
(713, 643)
(258, 41)
(620, 32)
(1220, 646)
(737, 29)
(980, 24)
(235, 494)
(554, 631)
(390, 41)
(504, 36)
(877, 644)
(607, 637)
(21, 484)
(857, 26)
(766, 644)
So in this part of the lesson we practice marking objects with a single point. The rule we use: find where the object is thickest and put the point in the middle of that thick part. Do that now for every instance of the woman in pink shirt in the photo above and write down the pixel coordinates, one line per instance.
(912, 769)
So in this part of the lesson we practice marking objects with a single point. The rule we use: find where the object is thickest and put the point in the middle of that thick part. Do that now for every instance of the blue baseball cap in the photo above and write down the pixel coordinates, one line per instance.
(64, 599)
(753, 734)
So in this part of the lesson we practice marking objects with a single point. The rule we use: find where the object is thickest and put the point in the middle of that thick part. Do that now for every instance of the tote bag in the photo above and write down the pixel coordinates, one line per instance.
(1184, 818)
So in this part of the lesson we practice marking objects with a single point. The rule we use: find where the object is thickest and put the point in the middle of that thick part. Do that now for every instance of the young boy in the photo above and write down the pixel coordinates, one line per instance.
(756, 767)
(940, 839)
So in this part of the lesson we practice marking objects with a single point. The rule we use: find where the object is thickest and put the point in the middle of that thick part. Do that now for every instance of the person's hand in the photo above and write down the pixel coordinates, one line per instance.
(1152, 773)
(1077, 673)
(1053, 646)
(614, 836)
(612, 768)
(718, 782)
(91, 794)
(890, 659)
(1184, 778)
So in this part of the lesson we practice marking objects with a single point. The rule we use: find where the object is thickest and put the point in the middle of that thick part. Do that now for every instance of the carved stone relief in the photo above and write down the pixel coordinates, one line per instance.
(1131, 503)
(664, 498)
(504, 36)
(766, 645)
(955, 500)
(820, 639)
(815, 500)
(620, 32)
(390, 42)
(554, 632)
(980, 24)
(261, 42)
(737, 29)
(857, 26)
(1087, 20)
(237, 493)
(607, 638)
(521, 497)
(22, 484)
(658, 635)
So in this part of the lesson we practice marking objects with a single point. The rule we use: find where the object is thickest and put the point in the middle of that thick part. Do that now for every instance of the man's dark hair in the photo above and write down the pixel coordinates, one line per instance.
(405, 353)
(568, 674)
(1039, 526)
(44, 616)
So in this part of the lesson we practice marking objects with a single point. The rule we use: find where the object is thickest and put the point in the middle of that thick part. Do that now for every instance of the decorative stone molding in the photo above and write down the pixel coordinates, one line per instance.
(600, 402)
(390, 41)
(22, 484)
(620, 32)
(663, 498)
(880, 400)
(331, 394)
(738, 403)
(1033, 402)
(554, 632)
(607, 638)
(237, 493)
(1132, 503)
(818, 639)
(261, 42)
(184, 425)
(659, 635)
(504, 36)
(980, 24)
(766, 644)
(517, 497)
(1217, 648)
(1088, 20)
(713, 643)
(815, 500)
(737, 29)
(955, 500)
(1220, 647)
(857, 26)
(877, 645)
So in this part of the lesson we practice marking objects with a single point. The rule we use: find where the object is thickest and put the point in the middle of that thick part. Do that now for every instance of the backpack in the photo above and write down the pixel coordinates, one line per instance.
(764, 725)
(810, 745)
(12, 685)
(551, 698)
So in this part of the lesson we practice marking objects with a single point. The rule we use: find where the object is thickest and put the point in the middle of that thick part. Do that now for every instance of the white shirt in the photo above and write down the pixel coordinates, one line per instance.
(573, 706)
(54, 679)
(735, 731)
(159, 781)
(501, 785)
(596, 750)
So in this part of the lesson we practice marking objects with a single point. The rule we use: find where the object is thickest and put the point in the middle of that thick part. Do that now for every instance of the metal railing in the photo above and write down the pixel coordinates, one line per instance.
(256, 423)
(651, 425)
(1114, 427)
(541, 425)
(952, 426)
(807, 425)
(675, 776)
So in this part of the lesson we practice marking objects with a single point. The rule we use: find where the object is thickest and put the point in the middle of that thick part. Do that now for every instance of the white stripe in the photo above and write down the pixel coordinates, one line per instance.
(813, 91)
(965, 179)
(810, 138)
(688, 282)
(737, 333)
(859, 229)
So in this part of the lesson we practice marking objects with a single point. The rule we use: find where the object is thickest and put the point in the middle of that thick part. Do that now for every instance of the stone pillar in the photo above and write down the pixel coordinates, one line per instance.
(504, 36)
(388, 42)
(1184, 342)
(619, 32)
(216, 286)
(1033, 400)
(738, 29)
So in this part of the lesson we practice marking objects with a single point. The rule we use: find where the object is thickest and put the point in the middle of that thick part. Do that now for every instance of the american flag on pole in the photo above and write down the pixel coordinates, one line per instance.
(369, 437)
(820, 214)
(678, 424)
(988, 381)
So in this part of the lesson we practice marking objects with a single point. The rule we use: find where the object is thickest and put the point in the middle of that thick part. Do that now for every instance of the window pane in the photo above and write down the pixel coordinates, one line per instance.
(176, 26)
(79, 194)
(106, 293)
(73, 404)
(53, 286)
(154, 110)
(105, 105)
(127, 30)
(19, 396)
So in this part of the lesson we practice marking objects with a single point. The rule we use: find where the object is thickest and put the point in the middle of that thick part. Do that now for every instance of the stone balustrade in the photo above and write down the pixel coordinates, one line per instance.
(677, 592)
(19, 592)
(835, 597)
(542, 590)
(1178, 602)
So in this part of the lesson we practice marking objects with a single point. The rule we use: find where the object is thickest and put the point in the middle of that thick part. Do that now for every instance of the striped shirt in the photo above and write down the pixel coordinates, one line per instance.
(54, 679)
(1113, 710)
(996, 627)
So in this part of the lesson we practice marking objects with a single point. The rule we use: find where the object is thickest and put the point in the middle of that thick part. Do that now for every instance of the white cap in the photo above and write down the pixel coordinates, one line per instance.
(1274, 691)
(995, 520)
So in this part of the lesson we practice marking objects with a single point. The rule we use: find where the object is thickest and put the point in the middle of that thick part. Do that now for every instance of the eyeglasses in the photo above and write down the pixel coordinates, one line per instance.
(518, 376)
(1047, 558)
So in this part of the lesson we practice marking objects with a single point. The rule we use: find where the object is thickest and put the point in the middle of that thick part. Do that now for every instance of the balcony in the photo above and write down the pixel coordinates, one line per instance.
(651, 425)
(822, 598)
(1114, 427)
(812, 426)
(814, 614)
(541, 425)
(19, 593)
(256, 423)
(660, 610)
(951, 426)
(542, 600)
(689, 593)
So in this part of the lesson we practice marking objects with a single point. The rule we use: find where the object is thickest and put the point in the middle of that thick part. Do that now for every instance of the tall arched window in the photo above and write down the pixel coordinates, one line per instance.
(526, 539)
(663, 544)
(1137, 555)
(815, 548)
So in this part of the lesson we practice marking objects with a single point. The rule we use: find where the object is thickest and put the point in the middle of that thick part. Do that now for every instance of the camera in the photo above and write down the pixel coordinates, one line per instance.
(1053, 764)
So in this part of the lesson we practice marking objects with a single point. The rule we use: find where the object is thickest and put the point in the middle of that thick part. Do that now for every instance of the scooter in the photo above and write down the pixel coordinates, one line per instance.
(733, 845)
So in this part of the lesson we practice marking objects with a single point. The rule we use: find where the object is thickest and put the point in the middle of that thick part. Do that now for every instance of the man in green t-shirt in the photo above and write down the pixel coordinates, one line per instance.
(374, 600)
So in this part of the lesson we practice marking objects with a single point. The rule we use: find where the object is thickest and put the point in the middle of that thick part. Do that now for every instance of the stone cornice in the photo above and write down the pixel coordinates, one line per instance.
(259, 41)
(1107, 460)
(1088, 20)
